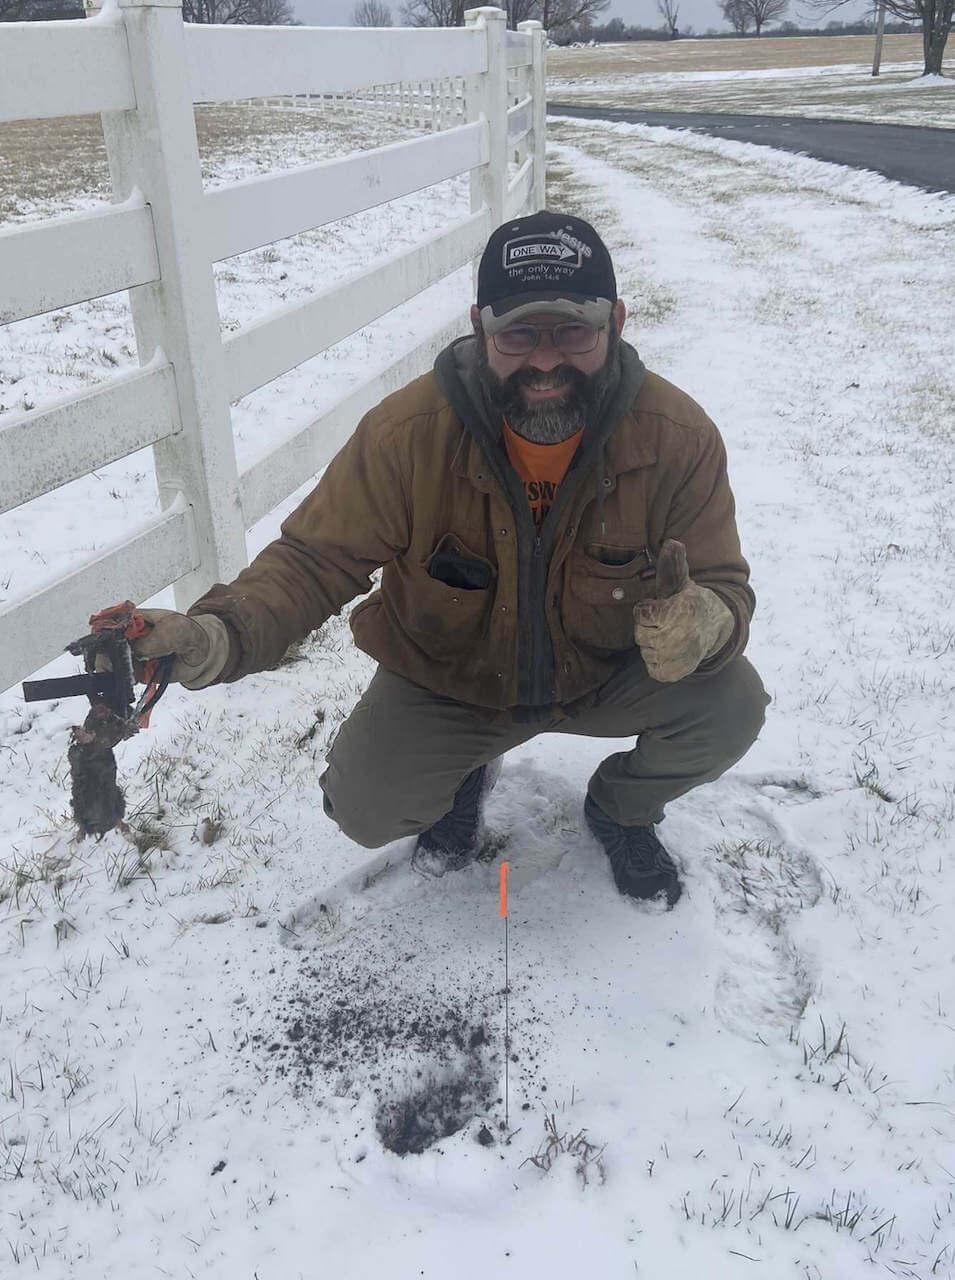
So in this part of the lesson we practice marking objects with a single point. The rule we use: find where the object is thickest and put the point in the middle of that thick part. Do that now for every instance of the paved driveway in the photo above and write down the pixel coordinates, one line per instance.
(919, 156)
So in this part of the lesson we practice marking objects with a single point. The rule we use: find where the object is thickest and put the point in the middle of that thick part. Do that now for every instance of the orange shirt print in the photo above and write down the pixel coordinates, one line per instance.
(541, 467)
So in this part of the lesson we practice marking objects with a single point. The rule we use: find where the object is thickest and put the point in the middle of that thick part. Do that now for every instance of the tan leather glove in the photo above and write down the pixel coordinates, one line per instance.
(684, 624)
(201, 645)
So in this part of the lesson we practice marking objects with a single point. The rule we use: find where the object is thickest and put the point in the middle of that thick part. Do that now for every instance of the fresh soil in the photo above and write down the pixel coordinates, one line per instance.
(426, 1055)
(435, 1110)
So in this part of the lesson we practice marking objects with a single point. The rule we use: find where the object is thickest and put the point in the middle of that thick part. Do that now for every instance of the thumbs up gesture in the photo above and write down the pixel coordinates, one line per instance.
(683, 623)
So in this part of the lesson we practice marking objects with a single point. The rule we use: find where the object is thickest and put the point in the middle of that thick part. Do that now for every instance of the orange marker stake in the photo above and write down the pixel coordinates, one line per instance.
(502, 910)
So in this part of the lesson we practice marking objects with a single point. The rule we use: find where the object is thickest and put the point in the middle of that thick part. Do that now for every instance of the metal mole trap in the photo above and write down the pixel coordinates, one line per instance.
(110, 675)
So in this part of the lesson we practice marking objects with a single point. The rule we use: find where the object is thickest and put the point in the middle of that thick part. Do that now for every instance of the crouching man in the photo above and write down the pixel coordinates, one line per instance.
(560, 555)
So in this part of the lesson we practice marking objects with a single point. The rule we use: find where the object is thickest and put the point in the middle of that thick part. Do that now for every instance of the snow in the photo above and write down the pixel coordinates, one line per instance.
(767, 1069)
(763, 73)
(899, 95)
(106, 13)
(651, 78)
(928, 82)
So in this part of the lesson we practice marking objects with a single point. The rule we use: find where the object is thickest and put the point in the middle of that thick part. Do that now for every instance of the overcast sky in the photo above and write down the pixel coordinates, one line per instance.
(701, 14)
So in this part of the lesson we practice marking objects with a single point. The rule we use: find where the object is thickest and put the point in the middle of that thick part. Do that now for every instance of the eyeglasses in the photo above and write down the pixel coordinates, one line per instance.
(570, 339)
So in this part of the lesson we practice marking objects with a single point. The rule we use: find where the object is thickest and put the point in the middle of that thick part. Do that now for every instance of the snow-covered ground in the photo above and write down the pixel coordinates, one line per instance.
(899, 95)
(199, 1077)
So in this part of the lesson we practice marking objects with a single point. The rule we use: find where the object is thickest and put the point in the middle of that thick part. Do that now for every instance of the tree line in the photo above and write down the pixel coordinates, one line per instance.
(565, 21)
(616, 31)
(254, 12)
(555, 15)
(573, 21)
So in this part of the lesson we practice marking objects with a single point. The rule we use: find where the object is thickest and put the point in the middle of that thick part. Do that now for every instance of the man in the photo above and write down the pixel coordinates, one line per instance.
(559, 553)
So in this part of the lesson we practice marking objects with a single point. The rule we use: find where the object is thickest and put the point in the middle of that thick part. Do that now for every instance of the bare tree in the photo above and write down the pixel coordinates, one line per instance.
(39, 10)
(763, 11)
(371, 13)
(554, 14)
(936, 18)
(560, 14)
(519, 11)
(736, 14)
(264, 13)
(669, 11)
(259, 13)
(434, 13)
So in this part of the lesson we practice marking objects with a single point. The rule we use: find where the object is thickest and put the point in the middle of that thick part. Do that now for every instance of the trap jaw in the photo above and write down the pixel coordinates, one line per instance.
(111, 671)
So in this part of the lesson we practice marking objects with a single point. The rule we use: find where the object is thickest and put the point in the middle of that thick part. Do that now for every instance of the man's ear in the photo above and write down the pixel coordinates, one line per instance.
(476, 318)
(619, 314)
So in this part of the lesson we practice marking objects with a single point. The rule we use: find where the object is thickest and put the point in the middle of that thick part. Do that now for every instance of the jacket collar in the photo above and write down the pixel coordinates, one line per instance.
(629, 447)
(470, 461)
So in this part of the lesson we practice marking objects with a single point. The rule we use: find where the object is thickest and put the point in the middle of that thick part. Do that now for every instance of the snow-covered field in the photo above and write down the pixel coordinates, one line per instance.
(196, 1081)
(899, 95)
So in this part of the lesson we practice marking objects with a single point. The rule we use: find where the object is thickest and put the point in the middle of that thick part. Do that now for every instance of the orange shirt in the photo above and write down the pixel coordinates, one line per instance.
(541, 467)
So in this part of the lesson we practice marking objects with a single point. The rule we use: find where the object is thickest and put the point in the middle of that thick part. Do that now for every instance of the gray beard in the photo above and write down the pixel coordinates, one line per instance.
(546, 423)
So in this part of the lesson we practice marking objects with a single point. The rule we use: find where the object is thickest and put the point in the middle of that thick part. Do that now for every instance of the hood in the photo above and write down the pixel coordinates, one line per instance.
(456, 369)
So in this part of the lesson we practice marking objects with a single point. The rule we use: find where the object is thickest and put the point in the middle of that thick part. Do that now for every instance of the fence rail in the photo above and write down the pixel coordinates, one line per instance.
(73, 259)
(43, 450)
(85, 69)
(270, 347)
(477, 94)
(259, 211)
(259, 62)
(161, 552)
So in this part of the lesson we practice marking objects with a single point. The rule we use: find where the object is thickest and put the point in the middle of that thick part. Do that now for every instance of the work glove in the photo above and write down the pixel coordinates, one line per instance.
(683, 624)
(200, 645)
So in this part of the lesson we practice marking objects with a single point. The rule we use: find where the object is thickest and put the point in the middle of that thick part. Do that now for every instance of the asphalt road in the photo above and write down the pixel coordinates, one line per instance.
(919, 156)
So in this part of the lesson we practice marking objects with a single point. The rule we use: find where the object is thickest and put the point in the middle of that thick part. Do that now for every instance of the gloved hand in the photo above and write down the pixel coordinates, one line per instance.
(684, 624)
(201, 645)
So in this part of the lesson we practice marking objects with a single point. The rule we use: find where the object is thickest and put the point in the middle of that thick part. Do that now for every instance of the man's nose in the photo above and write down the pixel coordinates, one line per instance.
(545, 355)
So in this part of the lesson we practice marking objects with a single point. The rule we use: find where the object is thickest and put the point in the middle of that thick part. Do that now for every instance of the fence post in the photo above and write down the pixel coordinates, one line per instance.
(489, 102)
(153, 149)
(539, 89)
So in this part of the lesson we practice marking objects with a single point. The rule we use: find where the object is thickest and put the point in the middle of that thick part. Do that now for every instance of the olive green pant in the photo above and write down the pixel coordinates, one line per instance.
(401, 755)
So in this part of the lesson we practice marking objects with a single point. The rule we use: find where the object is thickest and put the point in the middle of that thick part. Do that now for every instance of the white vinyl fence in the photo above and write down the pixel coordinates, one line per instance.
(478, 90)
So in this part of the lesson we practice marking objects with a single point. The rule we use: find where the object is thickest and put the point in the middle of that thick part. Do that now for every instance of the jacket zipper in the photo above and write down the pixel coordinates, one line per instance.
(542, 690)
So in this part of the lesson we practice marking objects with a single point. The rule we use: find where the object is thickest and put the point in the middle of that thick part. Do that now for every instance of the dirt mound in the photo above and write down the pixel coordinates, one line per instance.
(435, 1110)
(426, 1055)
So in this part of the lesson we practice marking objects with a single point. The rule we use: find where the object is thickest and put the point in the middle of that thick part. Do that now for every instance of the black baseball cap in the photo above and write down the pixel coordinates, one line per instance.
(545, 258)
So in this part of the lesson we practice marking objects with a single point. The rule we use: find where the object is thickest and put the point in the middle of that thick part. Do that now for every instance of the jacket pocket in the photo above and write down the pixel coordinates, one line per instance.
(454, 565)
(450, 613)
(601, 587)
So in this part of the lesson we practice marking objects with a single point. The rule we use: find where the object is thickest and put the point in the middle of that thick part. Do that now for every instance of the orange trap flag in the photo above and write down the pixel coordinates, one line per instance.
(505, 868)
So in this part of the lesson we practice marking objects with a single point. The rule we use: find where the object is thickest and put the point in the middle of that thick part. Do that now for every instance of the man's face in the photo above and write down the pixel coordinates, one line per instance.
(547, 395)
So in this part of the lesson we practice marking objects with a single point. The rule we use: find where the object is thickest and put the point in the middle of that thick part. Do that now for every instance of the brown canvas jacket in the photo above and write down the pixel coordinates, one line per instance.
(531, 621)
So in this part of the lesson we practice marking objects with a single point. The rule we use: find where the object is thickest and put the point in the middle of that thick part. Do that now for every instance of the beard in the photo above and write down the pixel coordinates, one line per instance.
(547, 422)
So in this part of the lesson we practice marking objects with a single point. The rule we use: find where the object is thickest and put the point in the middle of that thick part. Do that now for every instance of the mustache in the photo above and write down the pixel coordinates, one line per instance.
(558, 376)
(562, 376)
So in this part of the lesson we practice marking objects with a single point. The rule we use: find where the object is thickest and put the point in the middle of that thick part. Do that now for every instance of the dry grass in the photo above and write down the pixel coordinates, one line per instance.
(658, 56)
(43, 160)
(64, 160)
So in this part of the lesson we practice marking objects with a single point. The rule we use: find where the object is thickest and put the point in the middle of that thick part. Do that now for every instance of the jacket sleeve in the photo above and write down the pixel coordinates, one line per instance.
(355, 520)
(703, 516)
